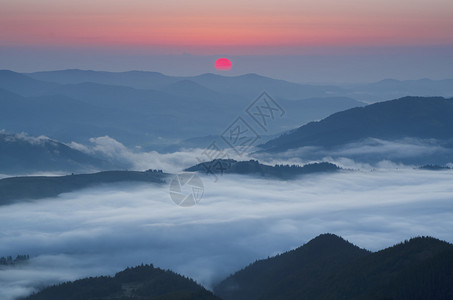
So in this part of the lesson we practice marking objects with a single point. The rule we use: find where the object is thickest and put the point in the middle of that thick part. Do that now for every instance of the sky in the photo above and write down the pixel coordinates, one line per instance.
(184, 38)
(240, 26)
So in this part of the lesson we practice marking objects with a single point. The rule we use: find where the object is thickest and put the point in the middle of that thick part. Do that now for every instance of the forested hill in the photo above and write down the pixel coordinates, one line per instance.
(253, 167)
(143, 282)
(329, 267)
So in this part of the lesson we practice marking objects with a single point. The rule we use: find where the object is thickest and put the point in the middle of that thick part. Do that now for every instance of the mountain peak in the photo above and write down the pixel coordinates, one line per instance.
(329, 267)
(422, 245)
(147, 282)
(328, 244)
(328, 239)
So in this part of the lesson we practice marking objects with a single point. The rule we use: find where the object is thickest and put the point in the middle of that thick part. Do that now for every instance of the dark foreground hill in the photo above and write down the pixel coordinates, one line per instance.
(329, 267)
(143, 282)
(409, 117)
(253, 167)
(14, 189)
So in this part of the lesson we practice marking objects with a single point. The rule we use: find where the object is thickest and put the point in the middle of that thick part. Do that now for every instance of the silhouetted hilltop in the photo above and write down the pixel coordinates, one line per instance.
(143, 282)
(434, 168)
(253, 167)
(327, 267)
(330, 268)
(282, 276)
(10, 261)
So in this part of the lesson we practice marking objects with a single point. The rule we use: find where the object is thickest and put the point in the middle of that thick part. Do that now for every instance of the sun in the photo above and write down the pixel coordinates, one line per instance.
(223, 64)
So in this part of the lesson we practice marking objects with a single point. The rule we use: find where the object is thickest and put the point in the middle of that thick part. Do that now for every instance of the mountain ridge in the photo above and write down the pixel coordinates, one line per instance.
(402, 271)
(142, 282)
(326, 267)
(145, 114)
(394, 119)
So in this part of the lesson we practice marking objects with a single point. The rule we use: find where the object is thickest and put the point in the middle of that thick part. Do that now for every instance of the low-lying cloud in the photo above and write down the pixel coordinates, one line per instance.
(371, 152)
(24, 137)
(240, 219)
(368, 154)
(108, 148)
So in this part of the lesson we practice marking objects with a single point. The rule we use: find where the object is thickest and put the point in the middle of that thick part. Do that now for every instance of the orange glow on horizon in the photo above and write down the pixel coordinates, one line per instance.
(302, 23)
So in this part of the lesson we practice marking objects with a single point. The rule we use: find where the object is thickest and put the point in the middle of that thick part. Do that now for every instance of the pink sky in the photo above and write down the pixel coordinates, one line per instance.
(238, 25)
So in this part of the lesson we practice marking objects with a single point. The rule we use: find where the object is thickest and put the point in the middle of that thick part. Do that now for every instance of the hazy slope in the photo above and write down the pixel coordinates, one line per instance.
(417, 117)
(176, 110)
(249, 85)
(135, 79)
(391, 89)
(23, 84)
(25, 154)
(15, 189)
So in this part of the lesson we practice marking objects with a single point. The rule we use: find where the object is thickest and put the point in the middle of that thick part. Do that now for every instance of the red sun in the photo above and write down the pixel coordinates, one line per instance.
(223, 64)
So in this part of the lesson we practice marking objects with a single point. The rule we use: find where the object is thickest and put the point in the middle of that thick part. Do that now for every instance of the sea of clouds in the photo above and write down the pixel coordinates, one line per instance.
(239, 219)
(367, 154)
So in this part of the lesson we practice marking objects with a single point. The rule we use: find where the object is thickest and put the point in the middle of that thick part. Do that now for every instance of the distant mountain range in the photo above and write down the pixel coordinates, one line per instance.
(252, 84)
(327, 267)
(413, 130)
(254, 168)
(153, 110)
(150, 109)
(392, 89)
(249, 85)
(426, 119)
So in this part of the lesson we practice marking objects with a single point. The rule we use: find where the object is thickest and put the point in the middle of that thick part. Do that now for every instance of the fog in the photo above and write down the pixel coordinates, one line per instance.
(371, 152)
(368, 154)
(108, 148)
(239, 219)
